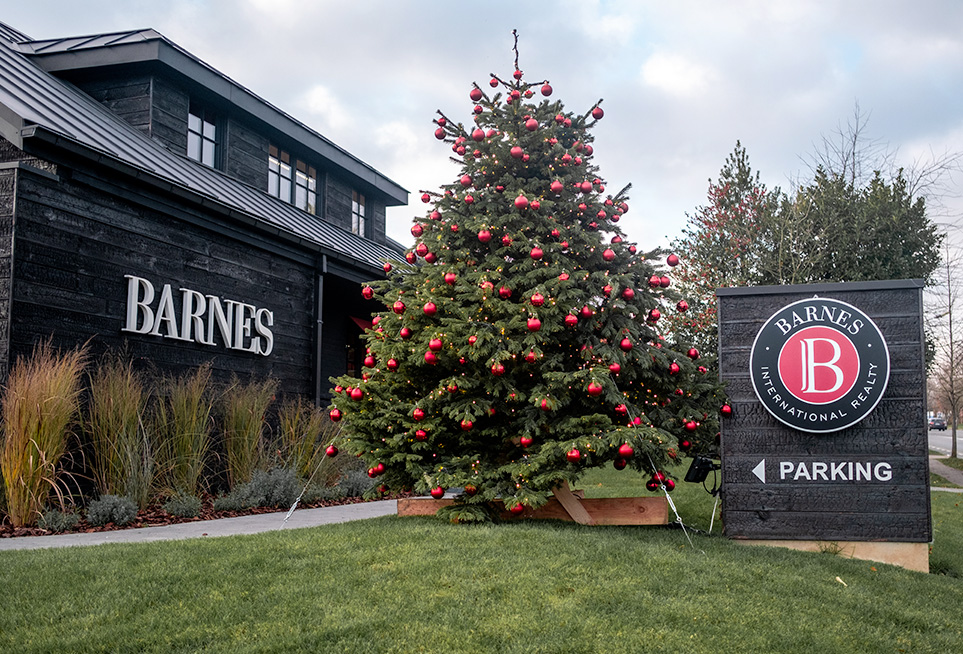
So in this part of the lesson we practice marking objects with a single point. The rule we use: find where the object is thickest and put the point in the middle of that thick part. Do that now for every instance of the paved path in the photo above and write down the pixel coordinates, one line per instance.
(255, 524)
(249, 524)
(945, 471)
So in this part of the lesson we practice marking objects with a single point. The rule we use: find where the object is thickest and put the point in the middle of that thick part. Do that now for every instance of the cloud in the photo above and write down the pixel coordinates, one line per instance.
(321, 103)
(677, 75)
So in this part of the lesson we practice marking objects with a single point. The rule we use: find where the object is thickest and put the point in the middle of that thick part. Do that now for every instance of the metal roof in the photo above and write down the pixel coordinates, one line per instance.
(36, 105)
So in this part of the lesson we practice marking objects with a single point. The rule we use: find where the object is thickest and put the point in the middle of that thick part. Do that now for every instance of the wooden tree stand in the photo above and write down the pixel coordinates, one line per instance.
(566, 505)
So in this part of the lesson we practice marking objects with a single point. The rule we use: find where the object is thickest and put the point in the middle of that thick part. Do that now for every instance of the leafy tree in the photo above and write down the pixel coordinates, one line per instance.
(520, 346)
(721, 246)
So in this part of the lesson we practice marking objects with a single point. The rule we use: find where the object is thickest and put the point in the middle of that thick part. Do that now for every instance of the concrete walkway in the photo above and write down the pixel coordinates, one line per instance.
(249, 524)
(255, 524)
(946, 472)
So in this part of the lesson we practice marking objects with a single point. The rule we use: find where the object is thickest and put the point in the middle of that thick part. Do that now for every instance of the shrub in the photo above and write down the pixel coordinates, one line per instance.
(277, 487)
(58, 521)
(354, 483)
(183, 505)
(111, 508)
(122, 461)
(182, 430)
(242, 409)
(39, 406)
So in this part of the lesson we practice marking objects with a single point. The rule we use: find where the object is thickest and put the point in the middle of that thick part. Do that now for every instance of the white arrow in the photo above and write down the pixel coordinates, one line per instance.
(760, 471)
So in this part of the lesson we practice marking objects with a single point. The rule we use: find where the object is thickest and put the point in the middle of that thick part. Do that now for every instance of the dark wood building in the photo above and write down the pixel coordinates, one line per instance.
(149, 202)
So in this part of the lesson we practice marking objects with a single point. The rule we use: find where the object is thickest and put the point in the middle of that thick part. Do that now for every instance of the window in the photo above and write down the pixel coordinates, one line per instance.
(201, 135)
(357, 213)
(295, 184)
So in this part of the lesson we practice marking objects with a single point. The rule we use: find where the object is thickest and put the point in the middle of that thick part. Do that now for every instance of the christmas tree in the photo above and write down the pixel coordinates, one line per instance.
(521, 342)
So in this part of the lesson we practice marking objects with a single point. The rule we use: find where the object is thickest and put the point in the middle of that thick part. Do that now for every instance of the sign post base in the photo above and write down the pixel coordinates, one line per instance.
(912, 556)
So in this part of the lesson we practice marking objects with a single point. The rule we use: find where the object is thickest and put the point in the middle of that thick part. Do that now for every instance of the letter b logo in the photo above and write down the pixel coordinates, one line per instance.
(818, 365)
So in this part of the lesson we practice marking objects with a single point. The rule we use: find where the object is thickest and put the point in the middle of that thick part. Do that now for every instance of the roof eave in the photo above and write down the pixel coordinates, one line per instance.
(38, 134)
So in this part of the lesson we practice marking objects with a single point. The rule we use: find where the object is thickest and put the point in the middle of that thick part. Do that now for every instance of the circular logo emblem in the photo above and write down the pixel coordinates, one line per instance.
(819, 365)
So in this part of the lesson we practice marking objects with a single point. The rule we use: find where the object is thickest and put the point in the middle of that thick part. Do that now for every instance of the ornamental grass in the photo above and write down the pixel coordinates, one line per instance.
(122, 460)
(40, 405)
(182, 430)
(243, 409)
(304, 431)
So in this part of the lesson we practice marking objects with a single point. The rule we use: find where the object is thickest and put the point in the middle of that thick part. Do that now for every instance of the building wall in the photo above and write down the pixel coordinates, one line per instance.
(74, 245)
(128, 97)
(8, 181)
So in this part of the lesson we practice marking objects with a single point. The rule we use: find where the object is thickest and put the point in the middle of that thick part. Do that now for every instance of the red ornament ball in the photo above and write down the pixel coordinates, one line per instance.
(356, 394)
(619, 464)
(595, 389)
(431, 358)
(470, 490)
(434, 344)
(335, 415)
(531, 357)
(367, 292)
(387, 267)
(573, 456)
(726, 410)
(625, 344)
(556, 187)
(655, 281)
(421, 249)
(669, 485)
(531, 124)
(536, 253)
(616, 368)
(597, 113)
(534, 324)
(682, 306)
(430, 309)
(517, 509)
(521, 202)
(691, 425)
(672, 260)
(674, 368)
(466, 425)
(465, 181)
(478, 134)
(516, 152)
(626, 451)
(484, 236)
(525, 441)
(405, 333)
(331, 450)
(437, 492)
(493, 82)
(391, 364)
(417, 230)
(538, 299)
(440, 133)
(664, 282)
(546, 89)
(628, 293)
(571, 320)
(608, 255)
(421, 435)
(418, 414)
(693, 353)
(504, 292)
(654, 315)
(450, 278)
(506, 240)
(475, 94)
(498, 369)
(652, 485)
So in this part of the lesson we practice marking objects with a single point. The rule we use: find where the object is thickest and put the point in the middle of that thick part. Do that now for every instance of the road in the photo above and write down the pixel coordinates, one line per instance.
(940, 441)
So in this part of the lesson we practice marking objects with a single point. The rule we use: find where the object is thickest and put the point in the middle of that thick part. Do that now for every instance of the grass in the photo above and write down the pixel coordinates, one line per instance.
(183, 426)
(40, 404)
(243, 408)
(937, 481)
(121, 461)
(423, 585)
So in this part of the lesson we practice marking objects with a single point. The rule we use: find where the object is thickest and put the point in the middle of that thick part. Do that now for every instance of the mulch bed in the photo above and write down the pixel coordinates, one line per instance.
(155, 516)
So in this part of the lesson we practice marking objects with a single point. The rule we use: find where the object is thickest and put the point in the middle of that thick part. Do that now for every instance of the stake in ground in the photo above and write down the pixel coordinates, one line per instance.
(521, 342)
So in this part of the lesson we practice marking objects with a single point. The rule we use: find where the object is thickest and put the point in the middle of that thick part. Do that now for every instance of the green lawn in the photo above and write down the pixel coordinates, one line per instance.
(423, 585)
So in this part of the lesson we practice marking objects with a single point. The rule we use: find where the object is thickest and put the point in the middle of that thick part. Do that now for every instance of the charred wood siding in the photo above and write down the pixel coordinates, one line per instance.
(8, 181)
(129, 98)
(893, 434)
(74, 244)
(246, 155)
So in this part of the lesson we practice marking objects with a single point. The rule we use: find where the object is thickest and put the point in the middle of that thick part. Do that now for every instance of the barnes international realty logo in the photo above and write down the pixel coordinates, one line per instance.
(819, 365)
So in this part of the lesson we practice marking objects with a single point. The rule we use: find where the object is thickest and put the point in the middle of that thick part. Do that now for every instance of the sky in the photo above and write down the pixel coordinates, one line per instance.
(681, 81)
